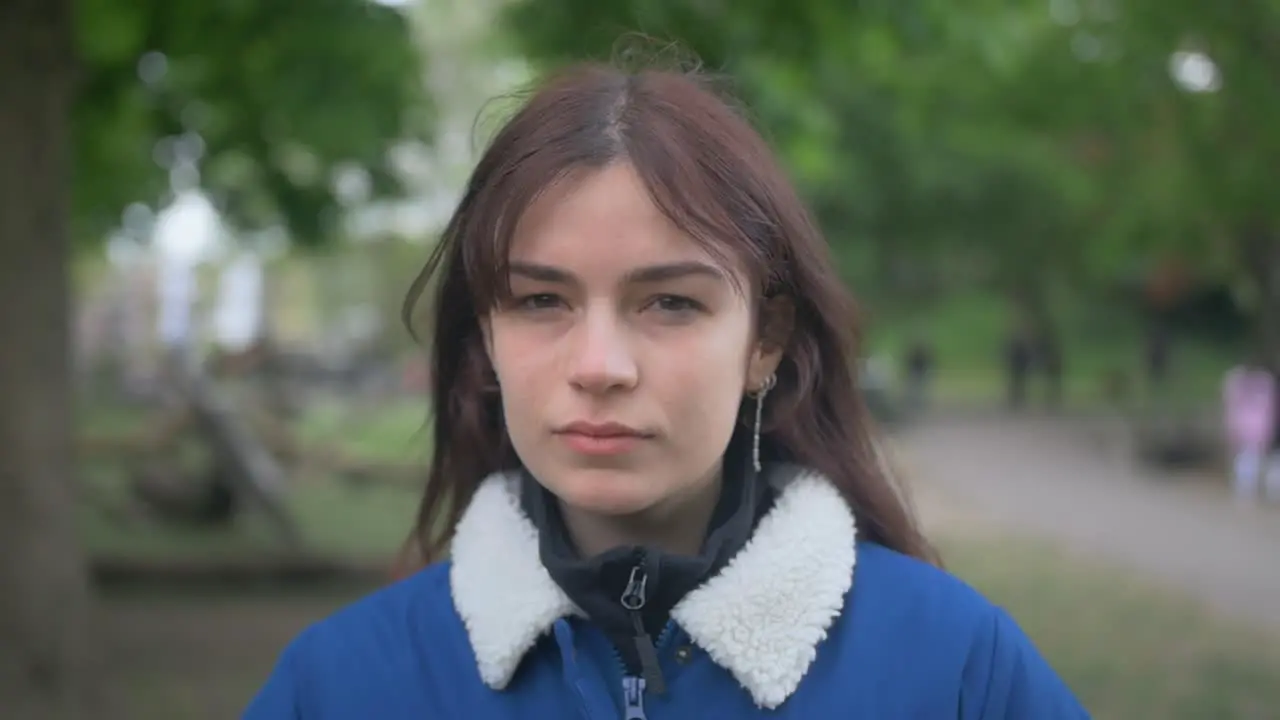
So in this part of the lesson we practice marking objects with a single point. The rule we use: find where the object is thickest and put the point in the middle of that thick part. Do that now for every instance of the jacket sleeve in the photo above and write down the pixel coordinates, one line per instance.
(1008, 679)
(279, 698)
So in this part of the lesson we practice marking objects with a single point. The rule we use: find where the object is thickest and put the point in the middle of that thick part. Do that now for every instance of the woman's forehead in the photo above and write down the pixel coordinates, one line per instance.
(606, 222)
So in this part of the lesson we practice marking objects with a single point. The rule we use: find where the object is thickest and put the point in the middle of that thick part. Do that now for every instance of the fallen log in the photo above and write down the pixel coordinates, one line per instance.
(256, 473)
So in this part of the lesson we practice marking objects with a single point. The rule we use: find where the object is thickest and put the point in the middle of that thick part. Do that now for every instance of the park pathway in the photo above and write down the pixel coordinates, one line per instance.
(1073, 481)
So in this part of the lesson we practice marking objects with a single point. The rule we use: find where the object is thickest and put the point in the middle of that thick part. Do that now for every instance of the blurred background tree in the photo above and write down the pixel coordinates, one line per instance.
(104, 105)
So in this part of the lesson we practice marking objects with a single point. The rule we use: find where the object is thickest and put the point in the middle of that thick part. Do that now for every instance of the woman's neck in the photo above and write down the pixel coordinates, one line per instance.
(677, 525)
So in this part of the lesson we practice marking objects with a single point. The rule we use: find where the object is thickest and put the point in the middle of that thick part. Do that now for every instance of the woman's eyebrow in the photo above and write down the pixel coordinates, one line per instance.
(641, 275)
(542, 273)
(673, 271)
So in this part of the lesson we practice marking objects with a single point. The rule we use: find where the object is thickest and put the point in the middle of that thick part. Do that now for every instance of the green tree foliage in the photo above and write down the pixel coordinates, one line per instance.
(1038, 142)
(281, 96)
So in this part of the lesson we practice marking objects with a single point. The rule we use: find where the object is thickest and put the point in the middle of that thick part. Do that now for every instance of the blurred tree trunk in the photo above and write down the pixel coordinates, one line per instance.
(43, 580)
(1269, 302)
(1260, 246)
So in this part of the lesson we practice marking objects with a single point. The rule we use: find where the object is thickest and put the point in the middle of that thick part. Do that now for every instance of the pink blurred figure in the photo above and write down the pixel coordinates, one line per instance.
(1249, 404)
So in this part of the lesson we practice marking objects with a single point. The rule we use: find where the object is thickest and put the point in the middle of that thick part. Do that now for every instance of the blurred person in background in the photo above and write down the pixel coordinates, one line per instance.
(1019, 358)
(654, 476)
(1157, 354)
(1249, 414)
(919, 363)
(1049, 360)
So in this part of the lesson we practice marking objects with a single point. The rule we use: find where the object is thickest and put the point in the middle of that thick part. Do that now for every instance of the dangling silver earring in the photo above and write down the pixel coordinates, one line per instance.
(759, 394)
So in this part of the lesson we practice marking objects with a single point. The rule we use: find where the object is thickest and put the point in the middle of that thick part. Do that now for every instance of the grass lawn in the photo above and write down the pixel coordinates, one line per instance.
(1128, 649)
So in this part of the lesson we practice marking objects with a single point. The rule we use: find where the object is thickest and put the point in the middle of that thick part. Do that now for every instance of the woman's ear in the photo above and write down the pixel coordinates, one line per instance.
(777, 321)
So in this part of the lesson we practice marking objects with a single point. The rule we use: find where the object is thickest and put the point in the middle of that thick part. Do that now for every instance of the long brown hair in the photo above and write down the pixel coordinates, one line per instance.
(716, 179)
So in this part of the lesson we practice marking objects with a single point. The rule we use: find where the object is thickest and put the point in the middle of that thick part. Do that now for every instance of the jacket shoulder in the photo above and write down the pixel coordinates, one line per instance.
(395, 649)
(885, 577)
(424, 593)
(910, 613)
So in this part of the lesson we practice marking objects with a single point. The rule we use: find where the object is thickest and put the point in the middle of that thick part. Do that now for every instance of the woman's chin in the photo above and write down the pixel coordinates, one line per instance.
(598, 495)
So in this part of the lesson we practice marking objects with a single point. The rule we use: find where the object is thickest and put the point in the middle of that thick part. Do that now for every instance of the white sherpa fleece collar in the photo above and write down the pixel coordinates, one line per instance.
(761, 618)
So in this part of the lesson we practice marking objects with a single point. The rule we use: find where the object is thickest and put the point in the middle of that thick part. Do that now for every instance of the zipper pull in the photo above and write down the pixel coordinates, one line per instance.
(633, 699)
(633, 599)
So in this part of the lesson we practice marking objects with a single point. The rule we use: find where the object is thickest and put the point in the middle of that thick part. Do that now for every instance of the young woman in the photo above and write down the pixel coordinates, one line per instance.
(659, 490)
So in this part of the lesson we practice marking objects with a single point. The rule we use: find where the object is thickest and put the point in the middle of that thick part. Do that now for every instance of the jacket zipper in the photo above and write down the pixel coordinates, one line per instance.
(650, 678)
(633, 698)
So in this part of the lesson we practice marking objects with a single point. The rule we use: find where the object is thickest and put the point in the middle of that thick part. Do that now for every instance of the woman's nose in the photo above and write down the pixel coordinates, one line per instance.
(602, 360)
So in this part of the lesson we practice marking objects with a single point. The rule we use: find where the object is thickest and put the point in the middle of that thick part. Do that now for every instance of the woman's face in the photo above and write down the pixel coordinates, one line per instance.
(625, 351)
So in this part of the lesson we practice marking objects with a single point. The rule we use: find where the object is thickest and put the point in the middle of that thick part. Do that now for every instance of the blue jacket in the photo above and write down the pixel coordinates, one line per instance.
(805, 622)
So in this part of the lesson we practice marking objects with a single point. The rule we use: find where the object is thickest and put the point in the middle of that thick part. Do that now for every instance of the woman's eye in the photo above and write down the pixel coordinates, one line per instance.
(675, 304)
(539, 301)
